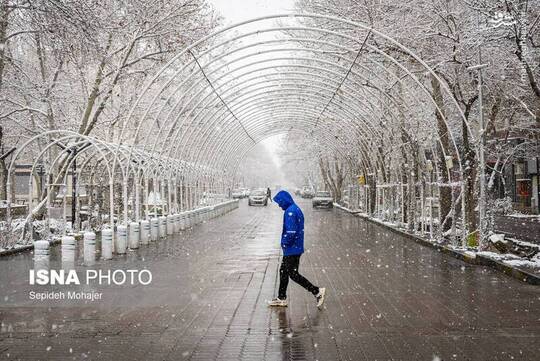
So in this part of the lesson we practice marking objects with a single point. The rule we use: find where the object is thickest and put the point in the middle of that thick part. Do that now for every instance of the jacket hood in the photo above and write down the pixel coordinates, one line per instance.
(283, 199)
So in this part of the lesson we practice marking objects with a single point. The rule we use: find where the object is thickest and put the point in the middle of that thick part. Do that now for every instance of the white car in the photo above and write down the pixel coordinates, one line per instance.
(307, 193)
(237, 194)
(258, 196)
(323, 199)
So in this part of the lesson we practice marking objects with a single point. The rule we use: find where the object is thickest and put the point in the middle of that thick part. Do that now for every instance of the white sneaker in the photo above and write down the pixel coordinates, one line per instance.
(276, 302)
(320, 297)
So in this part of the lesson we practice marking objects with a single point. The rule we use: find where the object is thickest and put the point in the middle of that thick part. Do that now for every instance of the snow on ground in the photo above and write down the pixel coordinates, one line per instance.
(14, 247)
(17, 224)
(498, 256)
(507, 258)
(497, 237)
(12, 240)
(532, 263)
(520, 215)
(524, 243)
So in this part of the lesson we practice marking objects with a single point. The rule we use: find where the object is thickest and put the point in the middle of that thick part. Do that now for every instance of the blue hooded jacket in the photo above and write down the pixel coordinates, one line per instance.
(292, 236)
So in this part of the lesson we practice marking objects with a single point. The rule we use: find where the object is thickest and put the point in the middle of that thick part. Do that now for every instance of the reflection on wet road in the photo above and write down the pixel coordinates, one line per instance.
(389, 299)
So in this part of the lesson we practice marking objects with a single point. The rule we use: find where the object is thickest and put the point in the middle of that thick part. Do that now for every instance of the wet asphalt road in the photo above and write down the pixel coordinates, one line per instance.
(388, 299)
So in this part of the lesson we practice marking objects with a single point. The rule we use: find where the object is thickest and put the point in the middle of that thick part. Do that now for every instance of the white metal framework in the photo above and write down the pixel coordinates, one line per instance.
(349, 88)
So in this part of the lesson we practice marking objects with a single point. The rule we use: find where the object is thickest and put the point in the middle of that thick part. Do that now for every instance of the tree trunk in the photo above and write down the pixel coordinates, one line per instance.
(372, 182)
(339, 180)
(4, 171)
(443, 148)
(469, 177)
(4, 14)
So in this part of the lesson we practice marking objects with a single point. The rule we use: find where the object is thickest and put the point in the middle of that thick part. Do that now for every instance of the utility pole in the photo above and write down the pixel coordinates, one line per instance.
(481, 151)
(482, 203)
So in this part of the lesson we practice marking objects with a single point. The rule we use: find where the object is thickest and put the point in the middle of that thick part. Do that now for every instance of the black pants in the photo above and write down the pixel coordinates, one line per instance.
(289, 268)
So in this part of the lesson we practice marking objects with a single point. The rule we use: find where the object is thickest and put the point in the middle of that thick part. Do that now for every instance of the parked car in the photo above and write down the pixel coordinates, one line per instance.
(259, 197)
(210, 198)
(323, 199)
(307, 193)
(237, 193)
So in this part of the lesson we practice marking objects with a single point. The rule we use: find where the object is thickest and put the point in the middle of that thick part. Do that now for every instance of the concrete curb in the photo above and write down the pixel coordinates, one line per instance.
(479, 260)
(28, 247)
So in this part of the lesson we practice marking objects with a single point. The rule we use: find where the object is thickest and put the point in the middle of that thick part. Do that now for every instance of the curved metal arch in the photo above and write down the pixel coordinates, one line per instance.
(233, 140)
(398, 79)
(310, 59)
(346, 120)
(91, 140)
(212, 124)
(240, 147)
(179, 142)
(94, 146)
(233, 163)
(128, 163)
(256, 70)
(394, 76)
(300, 15)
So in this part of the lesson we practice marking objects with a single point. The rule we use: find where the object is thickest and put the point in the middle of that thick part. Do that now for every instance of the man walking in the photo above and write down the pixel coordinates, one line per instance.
(292, 244)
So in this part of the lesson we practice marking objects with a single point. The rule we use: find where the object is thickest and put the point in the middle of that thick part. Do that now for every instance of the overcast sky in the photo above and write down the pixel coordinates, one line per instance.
(234, 11)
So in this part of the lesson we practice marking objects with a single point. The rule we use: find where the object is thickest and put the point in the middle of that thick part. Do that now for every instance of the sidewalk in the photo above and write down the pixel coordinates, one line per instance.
(523, 228)
(388, 299)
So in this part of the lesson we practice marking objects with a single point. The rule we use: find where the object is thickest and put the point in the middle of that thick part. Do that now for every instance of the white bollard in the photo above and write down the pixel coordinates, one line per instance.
(121, 239)
(176, 223)
(187, 220)
(198, 216)
(182, 224)
(68, 249)
(170, 224)
(145, 232)
(202, 215)
(192, 218)
(41, 255)
(106, 243)
(154, 229)
(162, 227)
(89, 248)
(134, 235)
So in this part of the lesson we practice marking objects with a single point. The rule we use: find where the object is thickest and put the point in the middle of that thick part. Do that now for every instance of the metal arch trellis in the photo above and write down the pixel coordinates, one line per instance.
(263, 101)
(235, 69)
(93, 148)
(429, 70)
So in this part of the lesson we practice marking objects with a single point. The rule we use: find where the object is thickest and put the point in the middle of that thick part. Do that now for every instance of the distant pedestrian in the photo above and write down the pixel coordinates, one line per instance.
(292, 244)
(269, 194)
